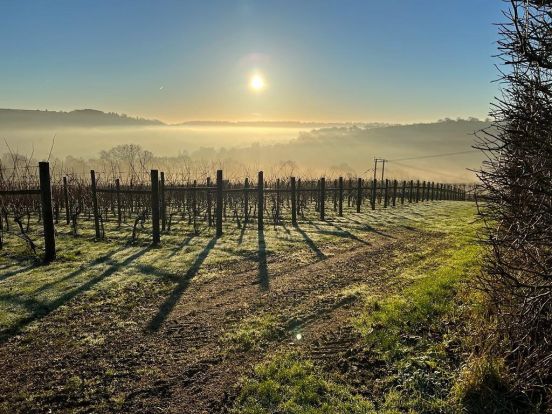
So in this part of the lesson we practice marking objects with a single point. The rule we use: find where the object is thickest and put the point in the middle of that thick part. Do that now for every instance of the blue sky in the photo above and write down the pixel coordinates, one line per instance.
(391, 60)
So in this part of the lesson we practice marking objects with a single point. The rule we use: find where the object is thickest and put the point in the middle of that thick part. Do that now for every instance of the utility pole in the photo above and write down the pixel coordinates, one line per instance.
(383, 161)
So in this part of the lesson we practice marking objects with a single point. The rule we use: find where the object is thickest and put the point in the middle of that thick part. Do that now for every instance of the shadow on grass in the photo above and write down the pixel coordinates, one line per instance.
(367, 227)
(263, 266)
(310, 243)
(240, 239)
(40, 309)
(106, 258)
(166, 307)
(183, 244)
(17, 271)
(341, 232)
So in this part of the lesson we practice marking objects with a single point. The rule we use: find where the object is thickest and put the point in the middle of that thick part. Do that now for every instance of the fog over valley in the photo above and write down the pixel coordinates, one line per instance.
(308, 148)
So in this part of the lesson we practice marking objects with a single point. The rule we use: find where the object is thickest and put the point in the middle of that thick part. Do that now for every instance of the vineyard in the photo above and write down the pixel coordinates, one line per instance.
(133, 207)
(159, 293)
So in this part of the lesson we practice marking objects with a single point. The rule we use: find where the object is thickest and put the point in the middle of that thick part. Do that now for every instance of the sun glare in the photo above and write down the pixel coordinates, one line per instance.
(257, 83)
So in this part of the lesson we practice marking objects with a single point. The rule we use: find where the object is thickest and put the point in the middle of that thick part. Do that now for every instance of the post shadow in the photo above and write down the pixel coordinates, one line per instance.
(183, 244)
(242, 232)
(166, 307)
(45, 309)
(15, 272)
(367, 227)
(263, 266)
(310, 243)
(345, 233)
(106, 258)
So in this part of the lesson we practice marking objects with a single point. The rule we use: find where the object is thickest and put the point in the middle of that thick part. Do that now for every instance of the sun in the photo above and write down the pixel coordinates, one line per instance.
(257, 83)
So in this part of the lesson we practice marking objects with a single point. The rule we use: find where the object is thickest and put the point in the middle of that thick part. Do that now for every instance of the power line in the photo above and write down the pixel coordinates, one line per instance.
(446, 154)
(430, 171)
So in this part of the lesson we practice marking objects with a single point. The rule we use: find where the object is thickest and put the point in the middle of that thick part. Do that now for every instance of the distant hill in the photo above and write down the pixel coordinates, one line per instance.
(86, 118)
(438, 150)
(280, 124)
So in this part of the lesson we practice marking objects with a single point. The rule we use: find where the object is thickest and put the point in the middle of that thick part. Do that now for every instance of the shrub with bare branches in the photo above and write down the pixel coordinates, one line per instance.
(517, 207)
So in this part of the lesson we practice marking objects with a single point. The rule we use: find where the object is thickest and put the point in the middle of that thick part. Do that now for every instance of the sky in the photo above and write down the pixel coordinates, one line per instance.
(319, 60)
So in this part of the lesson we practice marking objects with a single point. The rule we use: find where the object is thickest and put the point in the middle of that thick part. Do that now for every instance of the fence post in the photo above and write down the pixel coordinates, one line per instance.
(219, 203)
(209, 203)
(118, 196)
(260, 201)
(350, 192)
(162, 202)
(395, 184)
(322, 197)
(155, 206)
(340, 205)
(359, 194)
(298, 196)
(373, 196)
(386, 193)
(417, 191)
(246, 201)
(95, 205)
(194, 200)
(277, 201)
(293, 202)
(46, 210)
(66, 200)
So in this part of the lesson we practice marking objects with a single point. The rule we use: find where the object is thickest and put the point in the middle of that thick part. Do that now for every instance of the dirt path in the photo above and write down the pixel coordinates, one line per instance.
(167, 353)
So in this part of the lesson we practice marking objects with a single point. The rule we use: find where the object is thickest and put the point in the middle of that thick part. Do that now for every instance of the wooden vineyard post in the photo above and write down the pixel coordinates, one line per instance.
(298, 196)
(411, 192)
(340, 205)
(209, 203)
(386, 193)
(293, 202)
(374, 190)
(277, 220)
(322, 197)
(118, 199)
(46, 210)
(194, 200)
(162, 202)
(246, 201)
(359, 194)
(95, 205)
(417, 191)
(423, 191)
(403, 192)
(349, 192)
(260, 201)
(394, 193)
(66, 201)
(219, 204)
(156, 238)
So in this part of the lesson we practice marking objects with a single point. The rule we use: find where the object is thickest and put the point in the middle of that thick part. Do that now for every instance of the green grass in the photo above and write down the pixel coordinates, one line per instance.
(385, 320)
(288, 384)
(415, 334)
(108, 268)
(419, 332)
(252, 332)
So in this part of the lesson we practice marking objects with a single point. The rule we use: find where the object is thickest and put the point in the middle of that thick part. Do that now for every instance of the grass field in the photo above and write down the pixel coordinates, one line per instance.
(367, 313)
